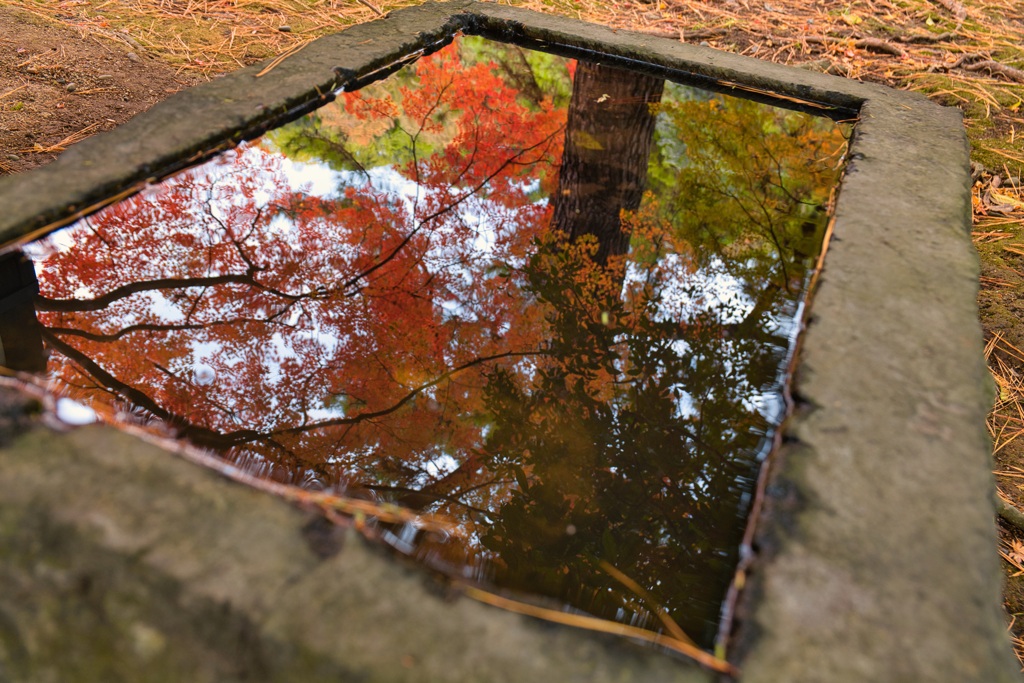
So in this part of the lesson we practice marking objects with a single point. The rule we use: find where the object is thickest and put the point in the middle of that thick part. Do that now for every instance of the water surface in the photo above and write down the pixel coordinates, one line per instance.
(551, 301)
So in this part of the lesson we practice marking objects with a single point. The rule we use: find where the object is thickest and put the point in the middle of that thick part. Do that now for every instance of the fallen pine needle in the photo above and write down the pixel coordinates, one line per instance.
(670, 625)
(601, 626)
(13, 90)
(283, 56)
(992, 236)
(69, 140)
(365, 3)
(1009, 156)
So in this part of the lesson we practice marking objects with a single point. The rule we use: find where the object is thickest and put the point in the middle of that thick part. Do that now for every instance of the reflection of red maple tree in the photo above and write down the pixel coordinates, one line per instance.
(257, 317)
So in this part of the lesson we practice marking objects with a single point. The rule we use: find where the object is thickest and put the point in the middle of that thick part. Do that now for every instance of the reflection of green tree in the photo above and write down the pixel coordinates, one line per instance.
(629, 445)
(745, 183)
(312, 139)
(538, 76)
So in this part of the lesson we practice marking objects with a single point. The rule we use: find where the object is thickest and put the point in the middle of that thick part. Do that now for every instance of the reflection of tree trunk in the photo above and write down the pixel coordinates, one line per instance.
(607, 145)
(21, 342)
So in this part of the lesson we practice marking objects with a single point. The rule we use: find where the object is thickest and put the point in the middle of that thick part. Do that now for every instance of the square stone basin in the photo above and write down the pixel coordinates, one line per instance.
(871, 555)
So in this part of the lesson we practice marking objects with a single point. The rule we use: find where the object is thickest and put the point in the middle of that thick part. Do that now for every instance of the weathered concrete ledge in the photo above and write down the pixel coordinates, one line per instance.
(877, 553)
(123, 563)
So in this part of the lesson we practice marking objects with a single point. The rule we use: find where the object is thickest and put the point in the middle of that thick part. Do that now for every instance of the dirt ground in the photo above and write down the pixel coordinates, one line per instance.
(59, 85)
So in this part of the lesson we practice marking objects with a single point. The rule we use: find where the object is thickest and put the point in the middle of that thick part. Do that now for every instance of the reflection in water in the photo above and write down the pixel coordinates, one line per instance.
(555, 310)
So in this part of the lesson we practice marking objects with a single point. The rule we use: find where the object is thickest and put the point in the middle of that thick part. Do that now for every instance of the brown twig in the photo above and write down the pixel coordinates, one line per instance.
(879, 45)
(994, 67)
(966, 59)
(874, 44)
(919, 38)
(1009, 513)
(375, 9)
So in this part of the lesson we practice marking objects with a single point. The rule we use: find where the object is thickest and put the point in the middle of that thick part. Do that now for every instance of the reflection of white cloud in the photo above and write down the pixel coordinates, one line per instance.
(204, 350)
(680, 295)
(441, 465)
(73, 413)
(326, 413)
(55, 242)
(162, 309)
(317, 180)
(683, 294)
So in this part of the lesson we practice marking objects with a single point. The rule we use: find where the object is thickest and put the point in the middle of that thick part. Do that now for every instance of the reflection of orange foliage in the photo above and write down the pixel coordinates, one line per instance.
(652, 235)
(341, 311)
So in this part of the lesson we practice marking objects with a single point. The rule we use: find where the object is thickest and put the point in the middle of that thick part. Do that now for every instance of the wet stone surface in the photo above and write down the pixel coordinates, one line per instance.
(551, 303)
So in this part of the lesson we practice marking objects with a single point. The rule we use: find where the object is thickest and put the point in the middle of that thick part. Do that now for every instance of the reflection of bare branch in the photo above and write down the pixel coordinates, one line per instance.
(195, 304)
(87, 222)
(523, 76)
(781, 184)
(363, 417)
(125, 291)
(453, 498)
(472, 154)
(769, 226)
(415, 138)
(153, 327)
(338, 147)
(351, 282)
(211, 438)
(200, 435)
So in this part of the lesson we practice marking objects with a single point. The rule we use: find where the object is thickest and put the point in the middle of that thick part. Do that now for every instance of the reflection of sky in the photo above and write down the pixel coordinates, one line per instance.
(486, 218)
(683, 295)
(716, 290)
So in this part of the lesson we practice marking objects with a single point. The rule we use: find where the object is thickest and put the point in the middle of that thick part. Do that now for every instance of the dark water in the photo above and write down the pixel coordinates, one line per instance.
(550, 301)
